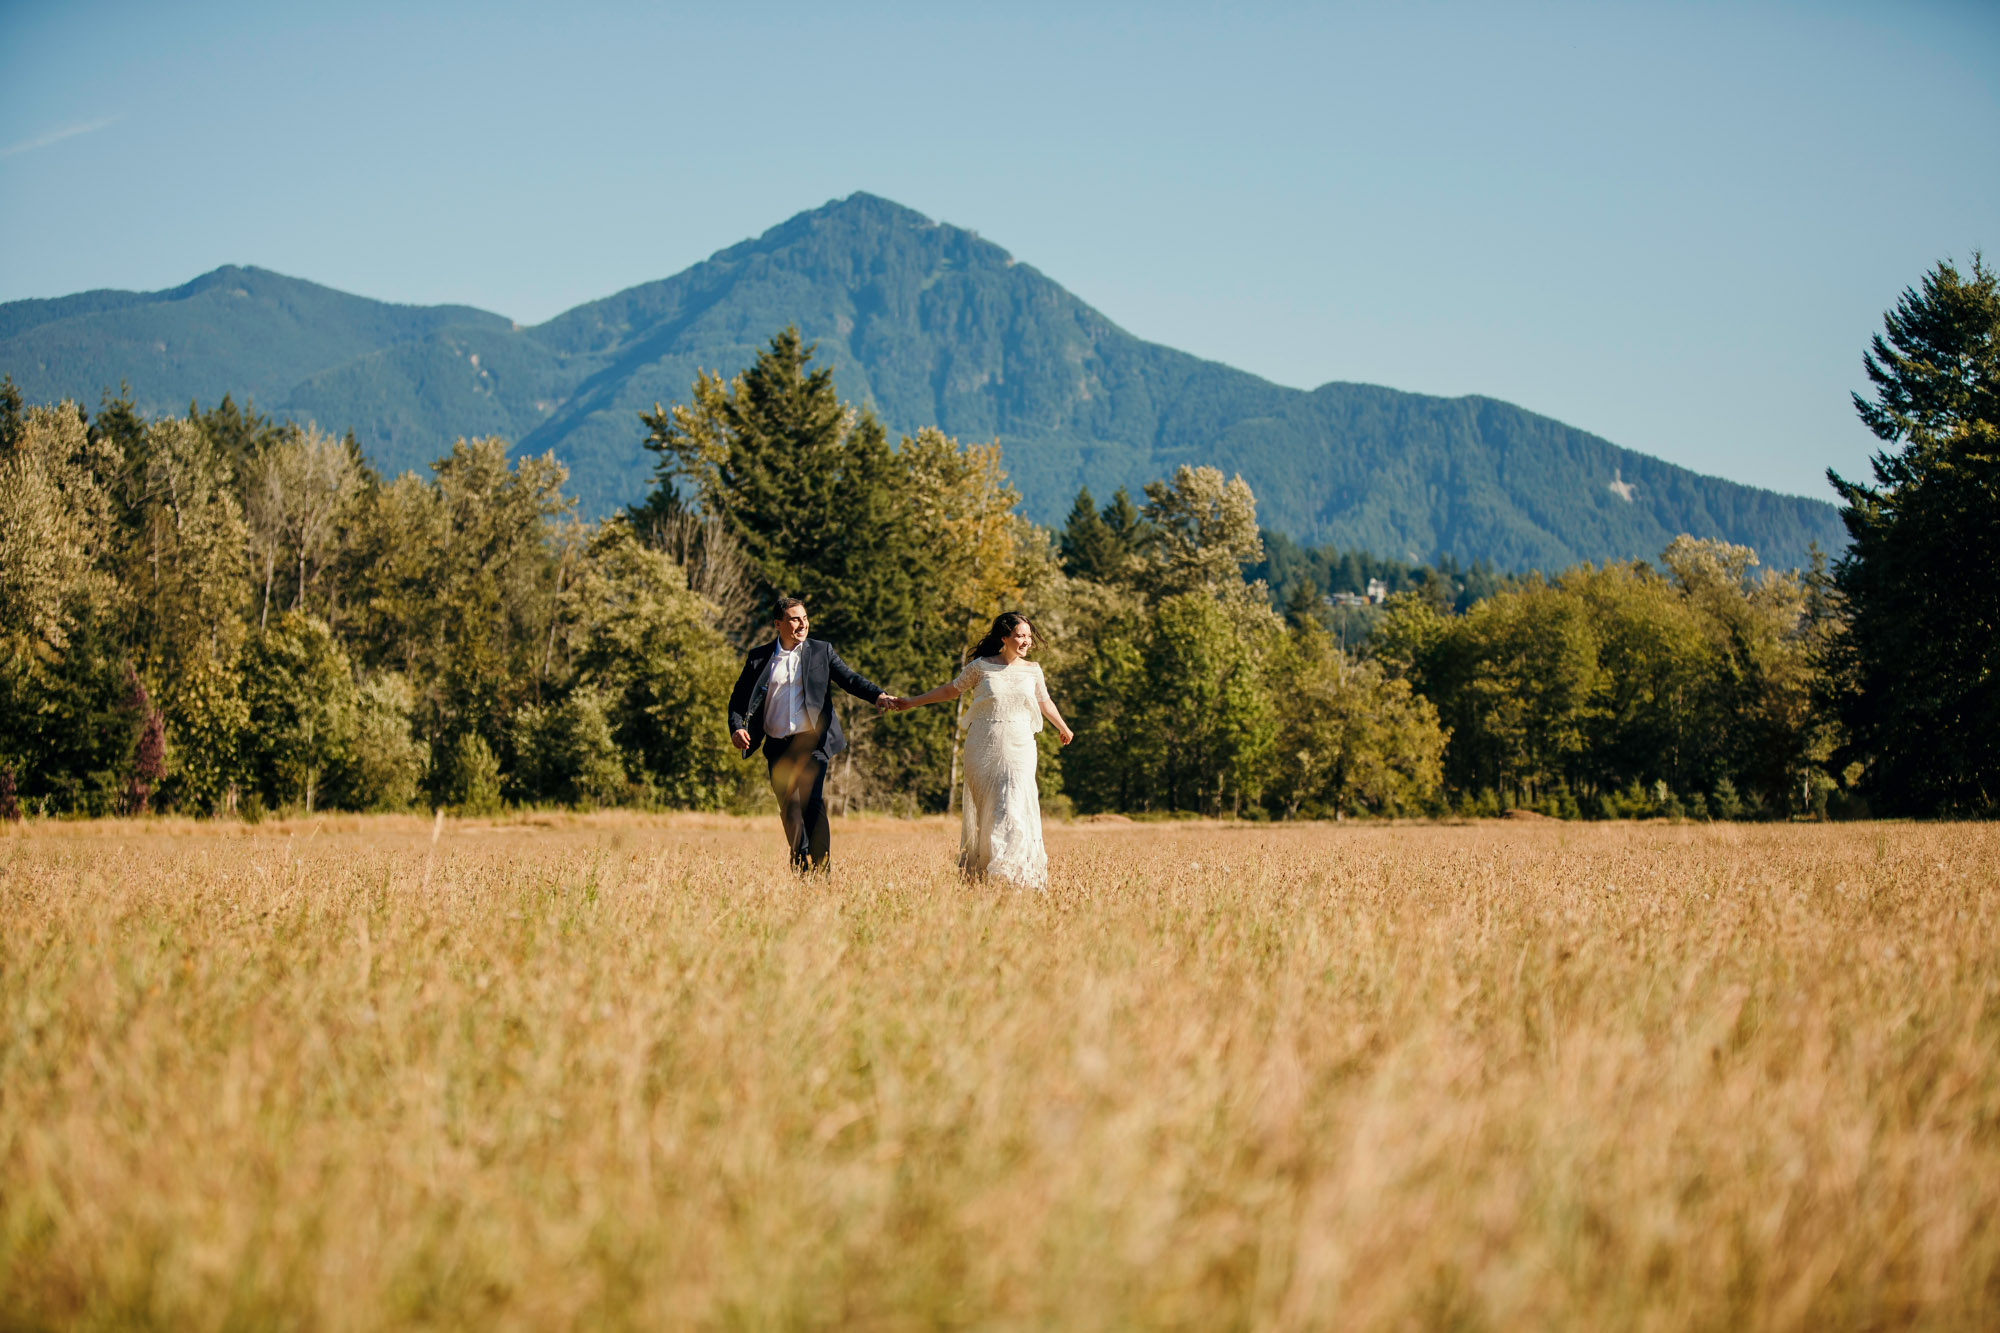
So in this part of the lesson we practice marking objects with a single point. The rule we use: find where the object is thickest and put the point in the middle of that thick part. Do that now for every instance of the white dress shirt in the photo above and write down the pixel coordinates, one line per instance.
(785, 692)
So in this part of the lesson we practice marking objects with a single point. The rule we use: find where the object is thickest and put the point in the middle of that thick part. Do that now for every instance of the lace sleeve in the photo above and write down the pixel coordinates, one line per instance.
(1042, 688)
(967, 678)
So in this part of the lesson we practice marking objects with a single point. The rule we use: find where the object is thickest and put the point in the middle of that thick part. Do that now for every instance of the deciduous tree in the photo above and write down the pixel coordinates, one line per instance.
(300, 690)
(1351, 738)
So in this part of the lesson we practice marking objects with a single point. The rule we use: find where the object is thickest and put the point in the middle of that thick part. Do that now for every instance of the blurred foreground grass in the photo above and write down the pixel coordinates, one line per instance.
(625, 1072)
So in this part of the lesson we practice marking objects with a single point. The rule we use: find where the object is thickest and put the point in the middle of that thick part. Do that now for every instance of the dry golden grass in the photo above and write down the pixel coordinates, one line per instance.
(626, 1072)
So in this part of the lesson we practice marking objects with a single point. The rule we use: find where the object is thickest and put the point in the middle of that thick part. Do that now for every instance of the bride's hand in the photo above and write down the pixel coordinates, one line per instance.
(1065, 735)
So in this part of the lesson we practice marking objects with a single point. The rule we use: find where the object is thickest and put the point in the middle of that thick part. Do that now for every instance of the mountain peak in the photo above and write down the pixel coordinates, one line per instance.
(927, 324)
(862, 205)
(865, 220)
(228, 277)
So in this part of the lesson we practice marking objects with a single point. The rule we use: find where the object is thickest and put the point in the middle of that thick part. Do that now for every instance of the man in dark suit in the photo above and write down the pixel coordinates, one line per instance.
(784, 702)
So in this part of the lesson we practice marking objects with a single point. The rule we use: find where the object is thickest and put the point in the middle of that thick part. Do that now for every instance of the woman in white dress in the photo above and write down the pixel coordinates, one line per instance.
(1006, 700)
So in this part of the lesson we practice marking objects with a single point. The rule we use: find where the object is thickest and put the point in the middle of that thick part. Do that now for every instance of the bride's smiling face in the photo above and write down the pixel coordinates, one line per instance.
(1019, 642)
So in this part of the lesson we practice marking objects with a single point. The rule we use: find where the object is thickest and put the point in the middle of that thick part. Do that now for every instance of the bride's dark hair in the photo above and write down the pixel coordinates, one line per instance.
(1003, 627)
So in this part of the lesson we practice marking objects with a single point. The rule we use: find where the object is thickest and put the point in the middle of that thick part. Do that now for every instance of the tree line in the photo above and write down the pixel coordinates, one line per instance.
(220, 613)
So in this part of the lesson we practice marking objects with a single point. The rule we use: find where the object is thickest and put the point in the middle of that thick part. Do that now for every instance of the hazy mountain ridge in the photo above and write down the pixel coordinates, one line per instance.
(929, 324)
(245, 331)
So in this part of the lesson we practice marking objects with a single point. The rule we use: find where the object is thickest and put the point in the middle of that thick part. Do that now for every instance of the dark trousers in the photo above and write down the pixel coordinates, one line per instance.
(798, 780)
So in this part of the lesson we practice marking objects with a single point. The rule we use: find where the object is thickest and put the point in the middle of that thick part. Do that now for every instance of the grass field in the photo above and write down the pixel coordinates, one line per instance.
(624, 1072)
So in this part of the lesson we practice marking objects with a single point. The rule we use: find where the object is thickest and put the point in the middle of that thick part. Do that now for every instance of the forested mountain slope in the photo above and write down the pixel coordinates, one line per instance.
(929, 324)
(242, 331)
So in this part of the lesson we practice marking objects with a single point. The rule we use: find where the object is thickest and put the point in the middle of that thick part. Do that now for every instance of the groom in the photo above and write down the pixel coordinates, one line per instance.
(783, 701)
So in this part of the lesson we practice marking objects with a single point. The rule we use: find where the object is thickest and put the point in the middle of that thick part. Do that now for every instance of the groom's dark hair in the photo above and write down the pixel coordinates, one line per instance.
(785, 604)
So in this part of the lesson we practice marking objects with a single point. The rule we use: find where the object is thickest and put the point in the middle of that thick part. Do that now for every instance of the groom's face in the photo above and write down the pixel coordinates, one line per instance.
(792, 627)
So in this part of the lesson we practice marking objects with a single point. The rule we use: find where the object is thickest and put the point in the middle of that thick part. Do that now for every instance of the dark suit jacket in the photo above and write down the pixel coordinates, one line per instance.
(822, 670)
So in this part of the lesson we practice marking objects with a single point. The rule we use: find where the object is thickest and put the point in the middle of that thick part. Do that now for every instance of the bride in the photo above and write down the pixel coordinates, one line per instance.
(1002, 831)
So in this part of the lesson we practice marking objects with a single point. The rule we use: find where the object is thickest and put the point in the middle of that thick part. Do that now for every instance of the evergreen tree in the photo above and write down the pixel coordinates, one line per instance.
(1088, 549)
(1131, 534)
(1917, 670)
(119, 431)
(1106, 545)
(1303, 605)
(810, 488)
(11, 423)
(239, 434)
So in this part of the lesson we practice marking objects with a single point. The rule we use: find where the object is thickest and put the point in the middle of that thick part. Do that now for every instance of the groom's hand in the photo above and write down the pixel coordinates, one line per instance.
(741, 738)
(885, 701)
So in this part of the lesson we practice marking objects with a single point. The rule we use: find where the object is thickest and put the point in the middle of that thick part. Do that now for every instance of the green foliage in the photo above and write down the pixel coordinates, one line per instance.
(1203, 532)
(184, 568)
(1622, 675)
(382, 766)
(661, 672)
(208, 721)
(1726, 803)
(1409, 638)
(809, 487)
(565, 752)
(468, 781)
(455, 585)
(1180, 719)
(900, 554)
(1634, 801)
(67, 726)
(1105, 546)
(1518, 682)
(11, 424)
(56, 524)
(1086, 541)
(1351, 738)
(238, 434)
(1916, 666)
(315, 636)
(1287, 567)
(301, 699)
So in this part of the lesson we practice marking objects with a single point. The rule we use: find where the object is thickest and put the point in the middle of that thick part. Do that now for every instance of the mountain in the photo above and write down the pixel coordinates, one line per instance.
(930, 325)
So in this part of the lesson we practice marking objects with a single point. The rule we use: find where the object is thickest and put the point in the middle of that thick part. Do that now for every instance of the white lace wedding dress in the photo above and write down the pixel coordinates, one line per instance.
(1002, 832)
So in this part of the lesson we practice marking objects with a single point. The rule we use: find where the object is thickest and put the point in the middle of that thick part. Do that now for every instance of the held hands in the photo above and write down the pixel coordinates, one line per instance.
(889, 703)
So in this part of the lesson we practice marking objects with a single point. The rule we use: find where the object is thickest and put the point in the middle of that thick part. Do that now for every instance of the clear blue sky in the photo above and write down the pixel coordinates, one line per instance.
(1673, 224)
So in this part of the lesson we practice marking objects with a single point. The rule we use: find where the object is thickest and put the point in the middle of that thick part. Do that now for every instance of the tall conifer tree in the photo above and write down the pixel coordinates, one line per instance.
(1919, 663)
(810, 487)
